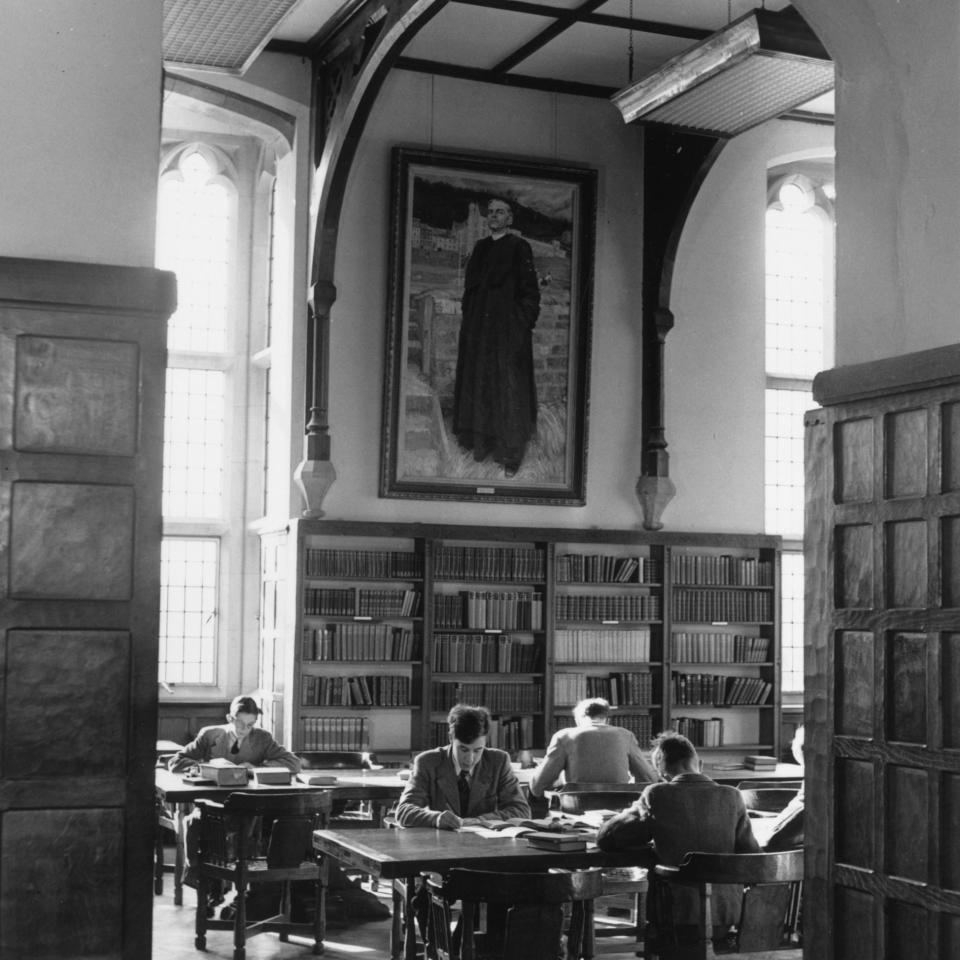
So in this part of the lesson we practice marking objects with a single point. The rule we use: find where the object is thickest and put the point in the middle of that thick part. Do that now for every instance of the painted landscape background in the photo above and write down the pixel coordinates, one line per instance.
(445, 220)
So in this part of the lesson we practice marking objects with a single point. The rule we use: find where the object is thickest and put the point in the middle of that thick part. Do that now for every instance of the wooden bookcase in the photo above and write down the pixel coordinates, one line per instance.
(371, 631)
(722, 678)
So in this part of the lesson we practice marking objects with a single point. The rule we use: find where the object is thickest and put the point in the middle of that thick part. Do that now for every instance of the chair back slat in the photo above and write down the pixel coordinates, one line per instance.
(737, 868)
(300, 803)
(581, 796)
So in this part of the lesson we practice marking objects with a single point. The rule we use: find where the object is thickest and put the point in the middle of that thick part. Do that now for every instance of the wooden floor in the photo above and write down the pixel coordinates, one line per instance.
(173, 939)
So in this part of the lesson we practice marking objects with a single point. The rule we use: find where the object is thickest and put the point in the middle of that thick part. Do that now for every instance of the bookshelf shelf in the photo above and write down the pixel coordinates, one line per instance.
(525, 621)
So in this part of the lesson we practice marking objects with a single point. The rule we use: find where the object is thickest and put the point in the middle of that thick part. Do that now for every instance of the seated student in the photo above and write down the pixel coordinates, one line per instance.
(463, 783)
(786, 831)
(689, 812)
(593, 752)
(240, 741)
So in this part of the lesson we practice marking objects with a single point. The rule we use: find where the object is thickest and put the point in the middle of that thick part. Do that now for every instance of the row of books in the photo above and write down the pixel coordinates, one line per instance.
(360, 641)
(698, 689)
(478, 653)
(716, 606)
(719, 648)
(353, 602)
(500, 697)
(493, 564)
(722, 571)
(701, 733)
(388, 690)
(603, 568)
(334, 733)
(363, 564)
(630, 606)
(488, 610)
(506, 733)
(601, 646)
(620, 689)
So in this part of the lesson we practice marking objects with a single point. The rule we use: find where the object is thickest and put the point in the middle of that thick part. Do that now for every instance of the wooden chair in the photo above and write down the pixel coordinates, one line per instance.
(768, 909)
(228, 855)
(579, 797)
(534, 904)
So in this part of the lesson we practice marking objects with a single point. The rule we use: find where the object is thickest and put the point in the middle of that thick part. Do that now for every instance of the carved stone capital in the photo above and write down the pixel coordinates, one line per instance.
(654, 493)
(314, 478)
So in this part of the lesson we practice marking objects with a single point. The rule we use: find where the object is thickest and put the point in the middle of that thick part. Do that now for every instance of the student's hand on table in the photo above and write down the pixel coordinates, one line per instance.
(474, 822)
(449, 821)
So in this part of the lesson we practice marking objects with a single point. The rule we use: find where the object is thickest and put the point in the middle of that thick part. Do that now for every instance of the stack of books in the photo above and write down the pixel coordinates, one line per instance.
(561, 842)
(760, 763)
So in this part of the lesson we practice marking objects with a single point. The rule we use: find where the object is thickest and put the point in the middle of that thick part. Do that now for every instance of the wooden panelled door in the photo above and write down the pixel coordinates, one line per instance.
(883, 661)
(82, 368)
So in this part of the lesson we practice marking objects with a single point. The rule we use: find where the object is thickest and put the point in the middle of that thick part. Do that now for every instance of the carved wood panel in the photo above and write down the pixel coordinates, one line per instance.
(883, 664)
(82, 368)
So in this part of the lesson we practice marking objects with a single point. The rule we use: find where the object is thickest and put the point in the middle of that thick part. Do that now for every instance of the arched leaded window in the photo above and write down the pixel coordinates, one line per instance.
(799, 310)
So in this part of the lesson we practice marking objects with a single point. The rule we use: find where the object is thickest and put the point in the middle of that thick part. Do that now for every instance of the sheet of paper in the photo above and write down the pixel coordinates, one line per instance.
(503, 833)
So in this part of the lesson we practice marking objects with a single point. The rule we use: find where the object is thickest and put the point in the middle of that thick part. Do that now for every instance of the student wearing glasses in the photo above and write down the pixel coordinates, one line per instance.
(239, 740)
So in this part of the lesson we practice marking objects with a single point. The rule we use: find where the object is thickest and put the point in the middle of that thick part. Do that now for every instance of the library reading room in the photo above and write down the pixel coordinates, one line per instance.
(508, 467)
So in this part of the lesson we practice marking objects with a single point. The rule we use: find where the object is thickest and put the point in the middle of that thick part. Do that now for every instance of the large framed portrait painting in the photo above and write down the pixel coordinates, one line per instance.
(488, 332)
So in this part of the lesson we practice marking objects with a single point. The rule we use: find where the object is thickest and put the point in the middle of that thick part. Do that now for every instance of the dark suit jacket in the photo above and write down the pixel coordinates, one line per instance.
(690, 812)
(258, 748)
(494, 789)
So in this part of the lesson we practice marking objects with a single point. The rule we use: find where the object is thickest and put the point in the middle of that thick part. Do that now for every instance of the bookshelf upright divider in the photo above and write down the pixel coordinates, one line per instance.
(382, 626)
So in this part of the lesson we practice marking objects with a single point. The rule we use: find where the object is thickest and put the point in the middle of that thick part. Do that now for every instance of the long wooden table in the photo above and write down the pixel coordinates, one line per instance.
(379, 788)
(404, 854)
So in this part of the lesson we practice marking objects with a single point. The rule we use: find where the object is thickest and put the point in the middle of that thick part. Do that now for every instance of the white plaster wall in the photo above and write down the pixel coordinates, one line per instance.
(715, 353)
(714, 356)
(898, 165)
(80, 115)
(453, 115)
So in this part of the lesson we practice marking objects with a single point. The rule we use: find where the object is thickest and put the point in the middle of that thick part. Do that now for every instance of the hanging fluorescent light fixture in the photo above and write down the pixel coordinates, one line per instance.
(225, 35)
(756, 68)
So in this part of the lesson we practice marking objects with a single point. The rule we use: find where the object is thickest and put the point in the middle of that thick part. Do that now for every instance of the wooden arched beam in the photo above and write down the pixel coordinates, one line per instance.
(675, 165)
(349, 74)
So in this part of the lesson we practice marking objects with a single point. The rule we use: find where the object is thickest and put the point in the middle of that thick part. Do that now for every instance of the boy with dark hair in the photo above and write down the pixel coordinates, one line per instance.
(689, 812)
(463, 783)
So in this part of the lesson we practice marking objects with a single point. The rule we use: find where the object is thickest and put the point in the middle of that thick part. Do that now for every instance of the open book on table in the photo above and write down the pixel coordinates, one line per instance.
(577, 826)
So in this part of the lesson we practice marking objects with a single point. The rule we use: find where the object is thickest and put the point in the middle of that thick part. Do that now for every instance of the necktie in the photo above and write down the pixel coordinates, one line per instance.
(463, 785)
(236, 747)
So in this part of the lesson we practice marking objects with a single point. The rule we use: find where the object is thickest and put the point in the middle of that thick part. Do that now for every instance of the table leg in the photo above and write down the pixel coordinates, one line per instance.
(410, 920)
(321, 928)
(589, 943)
(182, 809)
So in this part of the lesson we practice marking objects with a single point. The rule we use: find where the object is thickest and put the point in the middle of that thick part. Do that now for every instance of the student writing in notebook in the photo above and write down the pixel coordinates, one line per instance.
(465, 782)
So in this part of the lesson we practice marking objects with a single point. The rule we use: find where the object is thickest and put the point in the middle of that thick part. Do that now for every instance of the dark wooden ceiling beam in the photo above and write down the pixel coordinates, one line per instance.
(564, 21)
(504, 79)
(578, 15)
